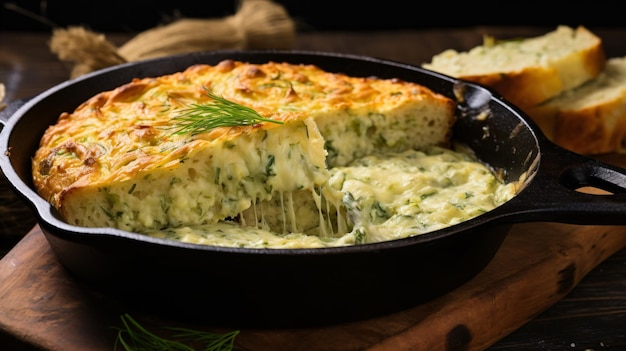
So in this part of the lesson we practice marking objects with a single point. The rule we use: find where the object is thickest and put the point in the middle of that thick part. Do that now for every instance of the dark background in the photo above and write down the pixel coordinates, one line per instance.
(138, 15)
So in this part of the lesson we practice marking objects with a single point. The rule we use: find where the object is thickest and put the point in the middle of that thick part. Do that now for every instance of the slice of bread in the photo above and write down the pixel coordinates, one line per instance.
(590, 119)
(528, 71)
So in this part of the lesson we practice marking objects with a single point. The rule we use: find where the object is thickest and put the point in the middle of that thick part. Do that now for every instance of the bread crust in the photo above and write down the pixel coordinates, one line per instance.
(591, 118)
(528, 71)
(119, 145)
(536, 87)
(597, 129)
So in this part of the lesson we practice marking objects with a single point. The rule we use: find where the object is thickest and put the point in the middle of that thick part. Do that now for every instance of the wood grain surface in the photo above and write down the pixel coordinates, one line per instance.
(537, 265)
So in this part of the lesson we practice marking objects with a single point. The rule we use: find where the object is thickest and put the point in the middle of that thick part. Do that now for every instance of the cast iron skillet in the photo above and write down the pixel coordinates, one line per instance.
(275, 287)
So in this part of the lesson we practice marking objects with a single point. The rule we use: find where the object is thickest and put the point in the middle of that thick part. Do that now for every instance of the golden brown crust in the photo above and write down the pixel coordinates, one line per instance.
(116, 134)
(532, 84)
(590, 119)
(521, 88)
(592, 130)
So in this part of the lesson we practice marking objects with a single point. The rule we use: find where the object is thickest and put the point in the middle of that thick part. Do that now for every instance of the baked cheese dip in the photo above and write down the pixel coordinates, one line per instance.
(386, 195)
(272, 155)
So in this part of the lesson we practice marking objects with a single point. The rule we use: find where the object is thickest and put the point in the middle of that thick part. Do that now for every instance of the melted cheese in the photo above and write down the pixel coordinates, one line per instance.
(114, 162)
(384, 196)
(342, 168)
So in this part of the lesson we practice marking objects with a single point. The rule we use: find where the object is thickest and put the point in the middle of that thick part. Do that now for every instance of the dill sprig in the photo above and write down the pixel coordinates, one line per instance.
(220, 112)
(134, 337)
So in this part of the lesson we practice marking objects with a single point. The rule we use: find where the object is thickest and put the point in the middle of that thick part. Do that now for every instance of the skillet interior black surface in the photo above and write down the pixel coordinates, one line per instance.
(279, 287)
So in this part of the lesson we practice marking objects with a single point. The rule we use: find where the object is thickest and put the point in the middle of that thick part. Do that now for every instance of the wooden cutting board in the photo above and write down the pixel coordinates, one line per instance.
(536, 266)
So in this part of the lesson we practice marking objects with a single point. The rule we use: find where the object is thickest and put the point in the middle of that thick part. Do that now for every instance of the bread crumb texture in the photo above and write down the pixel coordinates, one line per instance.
(591, 118)
(562, 80)
(114, 161)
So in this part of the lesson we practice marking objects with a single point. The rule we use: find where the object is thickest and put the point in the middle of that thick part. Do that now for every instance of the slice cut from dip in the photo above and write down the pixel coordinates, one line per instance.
(115, 162)
(380, 197)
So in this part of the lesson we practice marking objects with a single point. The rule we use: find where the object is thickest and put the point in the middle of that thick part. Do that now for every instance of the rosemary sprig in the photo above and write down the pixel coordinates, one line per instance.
(220, 112)
(134, 337)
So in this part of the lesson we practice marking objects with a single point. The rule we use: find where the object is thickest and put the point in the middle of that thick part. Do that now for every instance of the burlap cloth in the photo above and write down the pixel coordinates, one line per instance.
(257, 24)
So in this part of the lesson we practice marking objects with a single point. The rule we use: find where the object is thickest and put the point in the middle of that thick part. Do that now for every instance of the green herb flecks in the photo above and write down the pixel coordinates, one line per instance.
(221, 112)
(134, 337)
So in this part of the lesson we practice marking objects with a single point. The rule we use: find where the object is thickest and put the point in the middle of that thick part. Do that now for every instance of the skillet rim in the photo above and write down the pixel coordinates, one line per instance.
(46, 213)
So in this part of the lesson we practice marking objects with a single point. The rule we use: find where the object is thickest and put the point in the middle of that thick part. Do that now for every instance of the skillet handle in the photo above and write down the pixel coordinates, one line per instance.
(554, 194)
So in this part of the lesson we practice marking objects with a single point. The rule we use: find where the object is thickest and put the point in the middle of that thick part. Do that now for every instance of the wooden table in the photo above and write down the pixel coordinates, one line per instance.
(590, 316)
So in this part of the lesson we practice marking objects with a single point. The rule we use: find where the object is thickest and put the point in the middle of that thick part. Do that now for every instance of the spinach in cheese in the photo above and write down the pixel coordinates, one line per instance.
(288, 179)
(383, 196)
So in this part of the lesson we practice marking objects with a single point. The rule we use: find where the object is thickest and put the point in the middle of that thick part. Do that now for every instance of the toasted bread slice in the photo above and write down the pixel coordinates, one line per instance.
(528, 71)
(589, 119)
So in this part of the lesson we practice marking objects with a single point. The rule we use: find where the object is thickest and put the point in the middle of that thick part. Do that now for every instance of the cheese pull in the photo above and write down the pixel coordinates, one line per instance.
(115, 161)
(380, 197)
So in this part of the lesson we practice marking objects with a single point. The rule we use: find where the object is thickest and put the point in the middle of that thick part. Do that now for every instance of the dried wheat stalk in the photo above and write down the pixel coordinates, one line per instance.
(258, 24)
